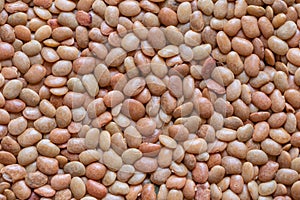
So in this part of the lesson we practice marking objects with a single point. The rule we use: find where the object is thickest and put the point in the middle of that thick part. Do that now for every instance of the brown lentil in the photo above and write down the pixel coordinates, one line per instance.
(157, 99)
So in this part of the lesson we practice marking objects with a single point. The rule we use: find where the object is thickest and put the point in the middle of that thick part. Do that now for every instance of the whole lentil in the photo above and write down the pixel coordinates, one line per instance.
(157, 99)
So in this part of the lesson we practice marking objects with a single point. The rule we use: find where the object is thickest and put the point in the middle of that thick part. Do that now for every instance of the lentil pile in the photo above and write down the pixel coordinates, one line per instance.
(150, 99)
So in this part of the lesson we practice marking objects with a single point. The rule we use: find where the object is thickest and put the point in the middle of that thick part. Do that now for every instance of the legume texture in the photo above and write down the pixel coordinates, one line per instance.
(149, 99)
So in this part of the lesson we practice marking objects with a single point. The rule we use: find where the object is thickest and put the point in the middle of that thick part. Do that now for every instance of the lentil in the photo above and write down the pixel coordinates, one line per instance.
(156, 99)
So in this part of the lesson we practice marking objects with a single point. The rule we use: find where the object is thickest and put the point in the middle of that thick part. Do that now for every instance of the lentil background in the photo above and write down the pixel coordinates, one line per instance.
(150, 99)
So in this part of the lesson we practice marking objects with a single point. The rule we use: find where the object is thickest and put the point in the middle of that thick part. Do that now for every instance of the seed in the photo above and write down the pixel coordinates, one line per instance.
(36, 179)
(112, 160)
(10, 145)
(119, 188)
(232, 165)
(48, 166)
(130, 42)
(267, 171)
(265, 22)
(156, 38)
(45, 124)
(196, 146)
(75, 168)
(45, 191)
(289, 173)
(61, 181)
(46, 148)
(96, 189)
(89, 156)
(267, 188)
(35, 74)
(242, 46)
(7, 50)
(199, 98)
(27, 156)
(252, 65)
(277, 45)
(279, 135)
(287, 30)
(77, 187)
(146, 164)
(294, 190)
(115, 57)
(167, 17)
(21, 190)
(95, 171)
(257, 157)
